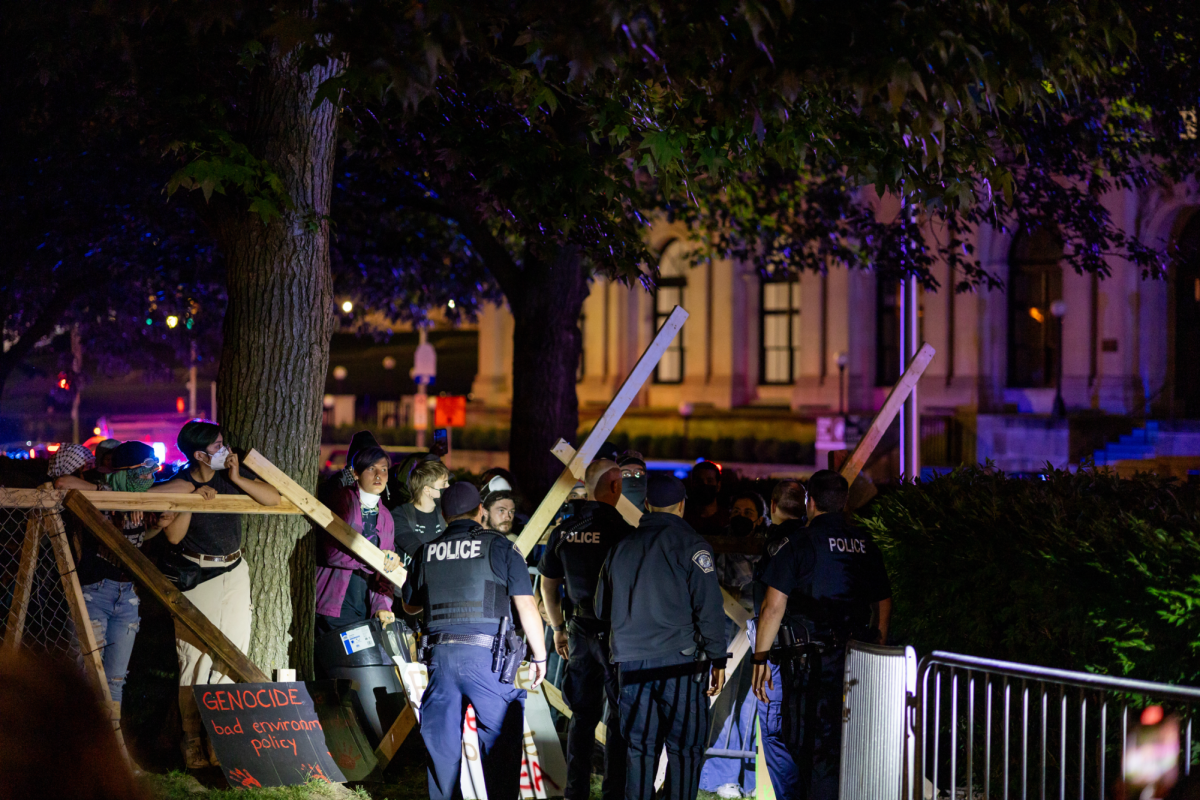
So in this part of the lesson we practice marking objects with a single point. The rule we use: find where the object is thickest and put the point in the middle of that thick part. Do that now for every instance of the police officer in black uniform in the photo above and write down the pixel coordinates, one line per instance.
(788, 521)
(826, 588)
(575, 553)
(466, 583)
(659, 589)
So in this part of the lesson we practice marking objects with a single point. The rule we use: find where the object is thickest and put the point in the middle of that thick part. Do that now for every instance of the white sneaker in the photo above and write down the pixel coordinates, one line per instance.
(729, 791)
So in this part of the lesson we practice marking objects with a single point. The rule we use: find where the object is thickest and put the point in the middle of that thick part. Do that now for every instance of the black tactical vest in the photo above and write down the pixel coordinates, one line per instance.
(582, 545)
(460, 587)
(829, 598)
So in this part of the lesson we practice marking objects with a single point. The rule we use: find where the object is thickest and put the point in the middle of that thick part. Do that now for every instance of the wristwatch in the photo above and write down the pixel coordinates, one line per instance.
(558, 628)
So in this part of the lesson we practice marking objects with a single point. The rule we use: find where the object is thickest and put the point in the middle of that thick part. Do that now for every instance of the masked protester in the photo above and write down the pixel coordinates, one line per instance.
(704, 510)
(207, 565)
(349, 591)
(633, 479)
(420, 520)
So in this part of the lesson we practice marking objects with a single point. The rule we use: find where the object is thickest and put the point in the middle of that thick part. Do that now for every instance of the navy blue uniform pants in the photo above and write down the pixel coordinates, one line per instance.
(664, 702)
(778, 753)
(590, 681)
(460, 674)
(811, 720)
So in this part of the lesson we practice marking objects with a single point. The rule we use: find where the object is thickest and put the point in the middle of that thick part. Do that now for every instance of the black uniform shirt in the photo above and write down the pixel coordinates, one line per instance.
(777, 536)
(659, 589)
(832, 575)
(577, 548)
(507, 566)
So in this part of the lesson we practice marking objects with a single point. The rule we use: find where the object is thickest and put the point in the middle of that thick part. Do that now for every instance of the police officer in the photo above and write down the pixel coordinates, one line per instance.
(659, 589)
(465, 584)
(788, 520)
(575, 553)
(826, 588)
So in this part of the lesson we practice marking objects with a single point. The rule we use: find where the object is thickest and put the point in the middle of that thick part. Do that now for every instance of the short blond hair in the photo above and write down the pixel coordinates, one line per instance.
(427, 473)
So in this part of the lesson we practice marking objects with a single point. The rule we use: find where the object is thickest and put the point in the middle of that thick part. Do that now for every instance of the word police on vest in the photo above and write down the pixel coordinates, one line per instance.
(583, 537)
(452, 551)
(847, 545)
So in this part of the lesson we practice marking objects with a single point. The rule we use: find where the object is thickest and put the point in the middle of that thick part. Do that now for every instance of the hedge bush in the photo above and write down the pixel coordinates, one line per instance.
(1080, 570)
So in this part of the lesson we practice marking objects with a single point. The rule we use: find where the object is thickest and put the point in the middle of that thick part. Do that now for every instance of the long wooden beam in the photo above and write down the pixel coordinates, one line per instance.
(891, 407)
(145, 501)
(147, 575)
(319, 513)
(554, 499)
(15, 626)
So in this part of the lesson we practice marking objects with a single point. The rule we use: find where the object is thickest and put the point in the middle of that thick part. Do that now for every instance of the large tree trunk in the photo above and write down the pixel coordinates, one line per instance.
(276, 346)
(546, 348)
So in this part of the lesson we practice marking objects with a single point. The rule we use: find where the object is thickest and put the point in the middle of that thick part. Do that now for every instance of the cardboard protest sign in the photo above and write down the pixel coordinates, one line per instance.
(283, 734)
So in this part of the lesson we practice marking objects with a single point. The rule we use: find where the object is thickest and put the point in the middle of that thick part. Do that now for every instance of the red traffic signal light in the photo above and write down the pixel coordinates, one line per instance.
(64, 382)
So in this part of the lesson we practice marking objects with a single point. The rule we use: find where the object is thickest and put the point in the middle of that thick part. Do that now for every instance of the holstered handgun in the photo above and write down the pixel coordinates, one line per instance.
(514, 655)
(499, 647)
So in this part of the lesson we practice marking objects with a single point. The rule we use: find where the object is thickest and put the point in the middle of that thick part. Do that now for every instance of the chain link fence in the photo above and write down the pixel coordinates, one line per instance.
(42, 622)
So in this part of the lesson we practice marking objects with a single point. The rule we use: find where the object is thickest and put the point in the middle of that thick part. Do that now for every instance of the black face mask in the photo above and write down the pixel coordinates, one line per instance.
(704, 494)
(741, 526)
(634, 489)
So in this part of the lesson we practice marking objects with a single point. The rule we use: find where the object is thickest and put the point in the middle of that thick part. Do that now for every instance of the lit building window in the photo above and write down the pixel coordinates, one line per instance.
(1034, 284)
(669, 293)
(779, 332)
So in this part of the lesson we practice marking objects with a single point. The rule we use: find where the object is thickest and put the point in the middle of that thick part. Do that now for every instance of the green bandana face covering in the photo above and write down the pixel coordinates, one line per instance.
(131, 480)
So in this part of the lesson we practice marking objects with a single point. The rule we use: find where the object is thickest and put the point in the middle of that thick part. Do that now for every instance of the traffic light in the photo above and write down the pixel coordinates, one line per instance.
(64, 381)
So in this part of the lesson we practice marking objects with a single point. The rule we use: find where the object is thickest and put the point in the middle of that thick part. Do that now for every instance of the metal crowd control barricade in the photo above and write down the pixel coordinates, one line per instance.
(986, 728)
(879, 681)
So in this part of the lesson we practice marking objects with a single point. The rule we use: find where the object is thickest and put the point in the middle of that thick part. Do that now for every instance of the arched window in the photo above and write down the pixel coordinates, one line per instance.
(1034, 284)
(671, 291)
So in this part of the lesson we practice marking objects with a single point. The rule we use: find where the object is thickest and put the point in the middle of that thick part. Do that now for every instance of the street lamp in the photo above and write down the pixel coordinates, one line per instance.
(842, 360)
(1058, 310)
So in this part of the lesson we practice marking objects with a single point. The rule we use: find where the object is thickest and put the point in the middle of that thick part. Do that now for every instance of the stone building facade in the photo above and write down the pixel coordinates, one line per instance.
(1129, 346)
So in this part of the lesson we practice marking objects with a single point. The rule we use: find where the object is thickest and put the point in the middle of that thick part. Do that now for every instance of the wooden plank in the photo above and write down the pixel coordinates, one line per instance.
(93, 657)
(31, 498)
(237, 665)
(891, 407)
(566, 454)
(167, 501)
(395, 736)
(319, 513)
(14, 628)
(554, 499)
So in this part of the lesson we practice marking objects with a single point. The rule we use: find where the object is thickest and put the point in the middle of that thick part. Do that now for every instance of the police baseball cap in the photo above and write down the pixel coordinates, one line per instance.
(459, 498)
(664, 491)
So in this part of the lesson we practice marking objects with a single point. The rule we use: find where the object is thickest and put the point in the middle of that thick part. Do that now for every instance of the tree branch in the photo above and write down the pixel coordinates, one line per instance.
(43, 326)
(495, 255)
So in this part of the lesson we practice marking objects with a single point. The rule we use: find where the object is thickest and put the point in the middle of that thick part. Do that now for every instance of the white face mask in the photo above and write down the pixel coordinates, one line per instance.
(367, 499)
(217, 459)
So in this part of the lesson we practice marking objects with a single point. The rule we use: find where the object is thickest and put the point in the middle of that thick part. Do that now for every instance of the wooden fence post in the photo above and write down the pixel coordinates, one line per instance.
(15, 625)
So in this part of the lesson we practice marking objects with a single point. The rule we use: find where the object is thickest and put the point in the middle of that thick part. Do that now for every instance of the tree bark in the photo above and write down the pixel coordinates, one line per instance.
(275, 352)
(546, 349)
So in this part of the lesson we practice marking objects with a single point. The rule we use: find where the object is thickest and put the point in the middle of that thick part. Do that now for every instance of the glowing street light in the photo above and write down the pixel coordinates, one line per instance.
(172, 321)
(347, 307)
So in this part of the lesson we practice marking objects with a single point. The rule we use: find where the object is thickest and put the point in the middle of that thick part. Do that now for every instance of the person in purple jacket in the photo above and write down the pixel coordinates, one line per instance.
(349, 591)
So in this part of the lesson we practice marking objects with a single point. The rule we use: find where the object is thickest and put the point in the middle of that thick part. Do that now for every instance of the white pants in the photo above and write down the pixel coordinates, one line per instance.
(225, 600)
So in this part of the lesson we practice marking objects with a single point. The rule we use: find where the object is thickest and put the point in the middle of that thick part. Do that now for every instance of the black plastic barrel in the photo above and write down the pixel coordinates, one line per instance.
(358, 652)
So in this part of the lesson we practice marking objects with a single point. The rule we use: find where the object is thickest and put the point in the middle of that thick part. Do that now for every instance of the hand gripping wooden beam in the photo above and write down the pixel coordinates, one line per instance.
(319, 513)
(554, 499)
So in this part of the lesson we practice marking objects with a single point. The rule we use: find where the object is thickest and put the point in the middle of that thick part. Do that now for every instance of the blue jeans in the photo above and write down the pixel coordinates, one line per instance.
(461, 674)
(112, 607)
(781, 765)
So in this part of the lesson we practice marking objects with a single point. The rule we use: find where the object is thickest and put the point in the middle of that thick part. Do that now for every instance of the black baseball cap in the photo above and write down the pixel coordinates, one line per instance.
(664, 491)
(459, 498)
(132, 454)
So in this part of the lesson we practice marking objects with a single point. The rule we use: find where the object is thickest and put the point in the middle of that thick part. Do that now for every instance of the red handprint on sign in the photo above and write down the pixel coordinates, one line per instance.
(244, 778)
(315, 771)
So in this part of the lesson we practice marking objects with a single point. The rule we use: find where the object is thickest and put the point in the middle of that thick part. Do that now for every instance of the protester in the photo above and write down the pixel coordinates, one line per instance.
(104, 453)
(420, 520)
(208, 565)
(659, 590)
(633, 478)
(574, 555)
(349, 591)
(704, 513)
(499, 511)
(747, 519)
(822, 589)
(465, 584)
(108, 590)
